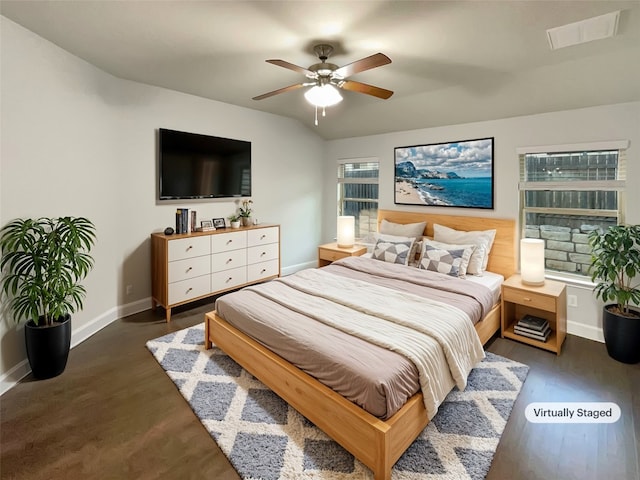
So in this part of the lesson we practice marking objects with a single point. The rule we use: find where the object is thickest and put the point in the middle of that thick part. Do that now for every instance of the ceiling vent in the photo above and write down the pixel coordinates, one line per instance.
(596, 28)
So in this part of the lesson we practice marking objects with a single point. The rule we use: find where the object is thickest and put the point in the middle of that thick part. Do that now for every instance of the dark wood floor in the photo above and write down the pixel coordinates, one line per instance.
(114, 414)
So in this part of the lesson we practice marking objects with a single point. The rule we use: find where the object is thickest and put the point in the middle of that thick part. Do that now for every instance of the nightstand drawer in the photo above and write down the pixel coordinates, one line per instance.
(332, 255)
(530, 299)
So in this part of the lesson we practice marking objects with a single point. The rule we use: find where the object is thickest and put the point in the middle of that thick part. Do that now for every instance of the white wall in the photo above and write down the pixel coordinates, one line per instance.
(612, 122)
(77, 141)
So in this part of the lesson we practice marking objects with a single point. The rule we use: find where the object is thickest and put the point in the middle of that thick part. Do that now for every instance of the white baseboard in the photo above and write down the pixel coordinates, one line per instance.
(14, 375)
(295, 268)
(22, 369)
(585, 331)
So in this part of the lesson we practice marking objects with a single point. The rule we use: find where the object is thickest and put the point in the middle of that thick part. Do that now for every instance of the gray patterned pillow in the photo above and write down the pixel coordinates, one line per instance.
(393, 251)
(445, 258)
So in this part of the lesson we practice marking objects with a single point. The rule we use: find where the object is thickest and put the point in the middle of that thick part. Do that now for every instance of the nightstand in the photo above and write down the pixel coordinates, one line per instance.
(548, 301)
(330, 252)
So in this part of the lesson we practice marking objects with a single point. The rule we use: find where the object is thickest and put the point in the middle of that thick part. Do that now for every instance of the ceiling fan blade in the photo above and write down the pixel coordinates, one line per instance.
(280, 90)
(290, 66)
(364, 88)
(363, 64)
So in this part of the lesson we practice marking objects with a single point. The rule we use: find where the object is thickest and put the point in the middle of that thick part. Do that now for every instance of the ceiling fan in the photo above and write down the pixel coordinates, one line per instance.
(324, 77)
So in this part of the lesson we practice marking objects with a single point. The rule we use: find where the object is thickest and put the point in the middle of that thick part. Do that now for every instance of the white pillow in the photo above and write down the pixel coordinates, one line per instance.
(483, 240)
(415, 230)
(445, 258)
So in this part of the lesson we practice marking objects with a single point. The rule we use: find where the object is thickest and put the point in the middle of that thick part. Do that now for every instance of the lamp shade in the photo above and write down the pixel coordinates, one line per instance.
(346, 231)
(324, 96)
(532, 261)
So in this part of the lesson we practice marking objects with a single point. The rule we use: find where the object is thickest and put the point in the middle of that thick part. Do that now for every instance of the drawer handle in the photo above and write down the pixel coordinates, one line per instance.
(229, 279)
(189, 289)
(229, 241)
(526, 299)
(189, 247)
(263, 254)
(189, 269)
(263, 270)
(263, 237)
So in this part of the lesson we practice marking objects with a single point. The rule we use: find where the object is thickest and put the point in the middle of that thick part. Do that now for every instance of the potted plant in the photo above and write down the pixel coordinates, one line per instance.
(615, 262)
(235, 220)
(43, 261)
(245, 212)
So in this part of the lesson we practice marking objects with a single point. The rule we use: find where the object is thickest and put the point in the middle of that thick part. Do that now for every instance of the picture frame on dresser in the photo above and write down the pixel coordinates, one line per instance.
(219, 223)
(206, 223)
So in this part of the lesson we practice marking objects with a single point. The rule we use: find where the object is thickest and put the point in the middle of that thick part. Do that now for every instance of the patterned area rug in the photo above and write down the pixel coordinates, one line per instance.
(266, 439)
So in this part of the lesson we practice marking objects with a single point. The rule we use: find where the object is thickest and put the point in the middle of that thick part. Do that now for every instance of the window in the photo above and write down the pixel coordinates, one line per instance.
(566, 192)
(358, 193)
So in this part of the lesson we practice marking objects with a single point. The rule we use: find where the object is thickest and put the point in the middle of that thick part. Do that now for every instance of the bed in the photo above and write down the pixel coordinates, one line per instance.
(376, 442)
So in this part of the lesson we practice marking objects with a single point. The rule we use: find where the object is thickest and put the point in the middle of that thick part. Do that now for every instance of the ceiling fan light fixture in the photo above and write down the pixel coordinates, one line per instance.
(323, 96)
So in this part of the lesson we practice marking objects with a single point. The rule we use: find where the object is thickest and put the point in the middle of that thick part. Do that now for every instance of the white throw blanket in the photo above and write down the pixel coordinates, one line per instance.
(438, 338)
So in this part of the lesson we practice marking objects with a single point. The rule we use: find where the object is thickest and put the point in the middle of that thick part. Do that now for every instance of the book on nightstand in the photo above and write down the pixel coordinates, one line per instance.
(525, 332)
(533, 327)
(533, 323)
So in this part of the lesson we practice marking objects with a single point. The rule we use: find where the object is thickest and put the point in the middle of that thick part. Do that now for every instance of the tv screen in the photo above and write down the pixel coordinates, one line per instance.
(202, 166)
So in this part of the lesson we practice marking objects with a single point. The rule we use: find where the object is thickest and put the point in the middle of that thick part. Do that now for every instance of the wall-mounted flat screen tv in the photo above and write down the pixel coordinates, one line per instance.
(192, 166)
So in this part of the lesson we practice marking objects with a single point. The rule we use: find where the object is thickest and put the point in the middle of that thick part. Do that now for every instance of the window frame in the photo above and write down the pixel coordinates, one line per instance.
(356, 181)
(619, 185)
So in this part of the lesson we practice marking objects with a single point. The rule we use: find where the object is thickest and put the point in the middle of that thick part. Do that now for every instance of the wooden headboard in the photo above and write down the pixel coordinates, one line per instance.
(502, 258)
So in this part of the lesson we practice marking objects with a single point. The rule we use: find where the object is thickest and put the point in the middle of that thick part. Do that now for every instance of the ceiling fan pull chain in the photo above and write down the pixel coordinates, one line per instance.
(316, 116)
(324, 113)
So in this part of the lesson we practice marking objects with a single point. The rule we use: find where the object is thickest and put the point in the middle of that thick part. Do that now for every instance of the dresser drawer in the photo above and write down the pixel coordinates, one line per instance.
(187, 289)
(262, 236)
(228, 260)
(530, 299)
(224, 242)
(189, 268)
(189, 247)
(261, 270)
(262, 253)
(228, 279)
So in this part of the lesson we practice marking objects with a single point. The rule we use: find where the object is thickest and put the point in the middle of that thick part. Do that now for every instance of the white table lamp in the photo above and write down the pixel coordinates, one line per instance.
(346, 231)
(532, 261)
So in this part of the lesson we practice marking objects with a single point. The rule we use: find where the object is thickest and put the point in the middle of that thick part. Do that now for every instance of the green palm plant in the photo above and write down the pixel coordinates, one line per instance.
(615, 262)
(43, 261)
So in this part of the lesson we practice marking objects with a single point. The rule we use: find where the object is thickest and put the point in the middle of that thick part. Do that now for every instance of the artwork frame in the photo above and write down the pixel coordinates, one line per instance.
(219, 223)
(446, 174)
(206, 224)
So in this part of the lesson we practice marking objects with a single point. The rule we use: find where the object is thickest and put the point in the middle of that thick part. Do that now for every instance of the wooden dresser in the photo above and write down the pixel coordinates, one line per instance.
(192, 266)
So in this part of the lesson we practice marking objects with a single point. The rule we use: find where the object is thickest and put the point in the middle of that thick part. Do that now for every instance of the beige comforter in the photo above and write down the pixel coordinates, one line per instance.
(439, 339)
(378, 379)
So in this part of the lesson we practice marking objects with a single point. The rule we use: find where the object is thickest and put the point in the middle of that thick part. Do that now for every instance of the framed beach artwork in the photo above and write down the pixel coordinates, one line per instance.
(452, 174)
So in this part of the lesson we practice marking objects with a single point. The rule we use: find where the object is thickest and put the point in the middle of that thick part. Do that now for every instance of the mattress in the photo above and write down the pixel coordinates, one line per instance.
(493, 281)
(375, 378)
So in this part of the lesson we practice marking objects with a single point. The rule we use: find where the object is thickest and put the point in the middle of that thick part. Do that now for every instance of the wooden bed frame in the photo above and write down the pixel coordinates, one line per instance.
(376, 443)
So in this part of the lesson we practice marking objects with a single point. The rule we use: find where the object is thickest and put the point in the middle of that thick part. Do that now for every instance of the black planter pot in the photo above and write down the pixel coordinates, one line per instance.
(622, 336)
(48, 347)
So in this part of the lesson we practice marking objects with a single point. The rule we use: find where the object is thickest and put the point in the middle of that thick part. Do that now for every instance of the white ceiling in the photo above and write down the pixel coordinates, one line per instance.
(452, 62)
